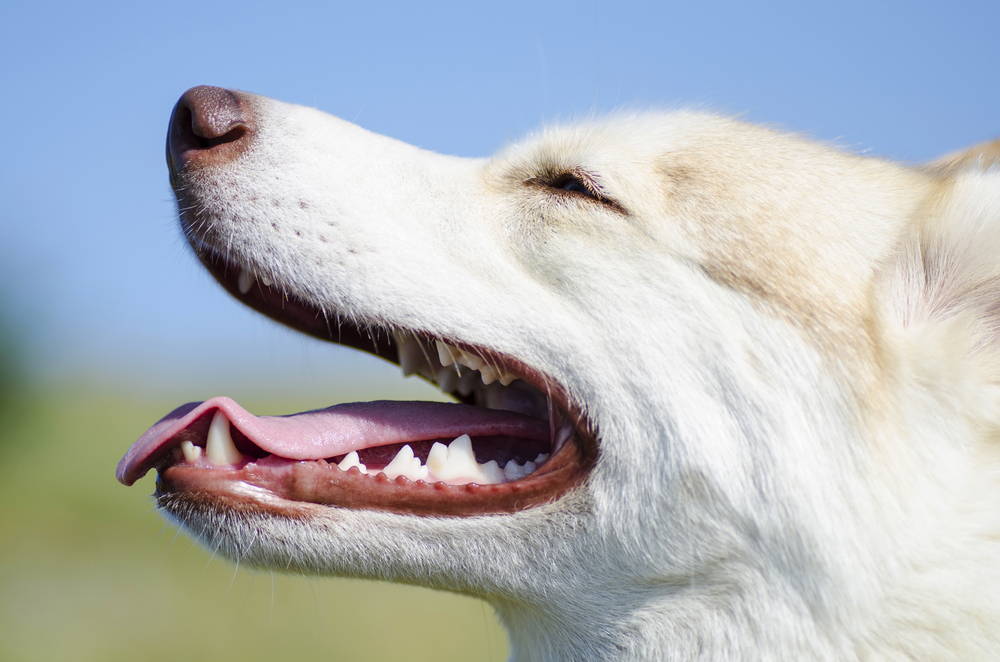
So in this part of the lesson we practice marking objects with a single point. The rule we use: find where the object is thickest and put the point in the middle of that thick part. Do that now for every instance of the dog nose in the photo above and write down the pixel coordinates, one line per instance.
(208, 126)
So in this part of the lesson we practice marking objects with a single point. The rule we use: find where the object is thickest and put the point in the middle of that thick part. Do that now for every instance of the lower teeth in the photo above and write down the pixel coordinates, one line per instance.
(454, 464)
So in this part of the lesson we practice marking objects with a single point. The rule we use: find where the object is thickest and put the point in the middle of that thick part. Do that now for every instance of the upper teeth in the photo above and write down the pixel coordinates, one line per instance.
(445, 354)
(454, 464)
(411, 355)
(246, 280)
(414, 357)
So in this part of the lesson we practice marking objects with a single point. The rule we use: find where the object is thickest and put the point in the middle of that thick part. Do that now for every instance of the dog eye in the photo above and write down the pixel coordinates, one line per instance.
(572, 182)
(580, 183)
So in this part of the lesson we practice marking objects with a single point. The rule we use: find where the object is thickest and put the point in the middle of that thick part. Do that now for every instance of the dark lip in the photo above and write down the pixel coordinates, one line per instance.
(321, 484)
(566, 469)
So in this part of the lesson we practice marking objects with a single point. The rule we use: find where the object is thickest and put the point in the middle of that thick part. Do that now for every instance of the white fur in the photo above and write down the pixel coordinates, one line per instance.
(792, 357)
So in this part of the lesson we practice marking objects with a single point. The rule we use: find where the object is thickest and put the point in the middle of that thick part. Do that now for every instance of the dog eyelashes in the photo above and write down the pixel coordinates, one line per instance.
(576, 182)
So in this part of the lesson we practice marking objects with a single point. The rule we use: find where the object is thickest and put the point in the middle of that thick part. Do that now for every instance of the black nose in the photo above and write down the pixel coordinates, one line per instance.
(208, 126)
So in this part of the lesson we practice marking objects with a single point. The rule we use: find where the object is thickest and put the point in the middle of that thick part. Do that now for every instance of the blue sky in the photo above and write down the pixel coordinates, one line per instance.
(95, 275)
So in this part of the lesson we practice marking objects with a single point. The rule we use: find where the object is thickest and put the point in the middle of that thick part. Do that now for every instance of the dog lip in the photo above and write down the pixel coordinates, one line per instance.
(295, 488)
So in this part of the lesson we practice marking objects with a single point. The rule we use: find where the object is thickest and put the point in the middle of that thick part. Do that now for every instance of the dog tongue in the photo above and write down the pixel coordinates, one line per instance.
(325, 433)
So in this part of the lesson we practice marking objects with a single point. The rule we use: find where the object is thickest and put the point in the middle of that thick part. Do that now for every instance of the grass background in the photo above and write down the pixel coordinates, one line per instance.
(89, 571)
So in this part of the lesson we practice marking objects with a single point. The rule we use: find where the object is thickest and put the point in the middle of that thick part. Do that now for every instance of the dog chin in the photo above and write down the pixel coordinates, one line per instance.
(479, 556)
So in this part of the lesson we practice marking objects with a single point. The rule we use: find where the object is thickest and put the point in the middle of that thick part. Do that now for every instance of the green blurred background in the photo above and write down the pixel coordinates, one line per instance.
(107, 322)
(88, 571)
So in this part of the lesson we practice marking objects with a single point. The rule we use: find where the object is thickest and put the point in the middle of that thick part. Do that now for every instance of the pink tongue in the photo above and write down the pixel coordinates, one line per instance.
(324, 433)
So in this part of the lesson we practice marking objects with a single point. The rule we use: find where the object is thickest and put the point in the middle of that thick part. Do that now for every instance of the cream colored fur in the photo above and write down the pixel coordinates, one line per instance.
(791, 354)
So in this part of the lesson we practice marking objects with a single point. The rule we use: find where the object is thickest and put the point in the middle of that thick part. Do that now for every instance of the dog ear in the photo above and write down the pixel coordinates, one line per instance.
(941, 289)
(982, 157)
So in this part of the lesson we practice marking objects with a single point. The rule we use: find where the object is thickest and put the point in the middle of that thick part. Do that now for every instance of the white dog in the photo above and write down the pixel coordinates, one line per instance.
(729, 394)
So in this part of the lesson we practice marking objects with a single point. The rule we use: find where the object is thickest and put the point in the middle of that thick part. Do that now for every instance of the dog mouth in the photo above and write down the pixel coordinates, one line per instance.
(512, 439)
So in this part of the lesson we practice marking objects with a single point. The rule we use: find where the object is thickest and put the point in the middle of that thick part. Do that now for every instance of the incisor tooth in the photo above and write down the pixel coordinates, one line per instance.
(191, 452)
(244, 281)
(219, 448)
(506, 378)
(529, 468)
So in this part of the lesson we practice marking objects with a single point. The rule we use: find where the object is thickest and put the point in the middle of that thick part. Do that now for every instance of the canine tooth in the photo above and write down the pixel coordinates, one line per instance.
(488, 374)
(244, 281)
(220, 449)
(351, 460)
(191, 452)
(411, 356)
(447, 379)
(491, 473)
(445, 353)
(401, 464)
(470, 360)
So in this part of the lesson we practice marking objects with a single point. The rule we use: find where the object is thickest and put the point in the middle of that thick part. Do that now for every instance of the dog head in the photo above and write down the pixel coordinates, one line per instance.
(752, 354)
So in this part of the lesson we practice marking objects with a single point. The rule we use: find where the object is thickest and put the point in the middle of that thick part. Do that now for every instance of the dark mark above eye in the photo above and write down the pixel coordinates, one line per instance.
(579, 183)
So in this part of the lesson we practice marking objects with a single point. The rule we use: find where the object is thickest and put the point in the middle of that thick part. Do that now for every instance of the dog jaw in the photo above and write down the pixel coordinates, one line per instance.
(722, 330)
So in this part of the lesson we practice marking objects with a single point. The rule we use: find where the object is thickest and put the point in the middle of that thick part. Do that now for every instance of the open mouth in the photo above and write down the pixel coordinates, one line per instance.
(511, 441)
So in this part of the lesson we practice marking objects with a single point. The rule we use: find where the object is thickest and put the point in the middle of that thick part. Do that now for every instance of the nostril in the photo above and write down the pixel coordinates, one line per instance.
(231, 136)
(209, 125)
